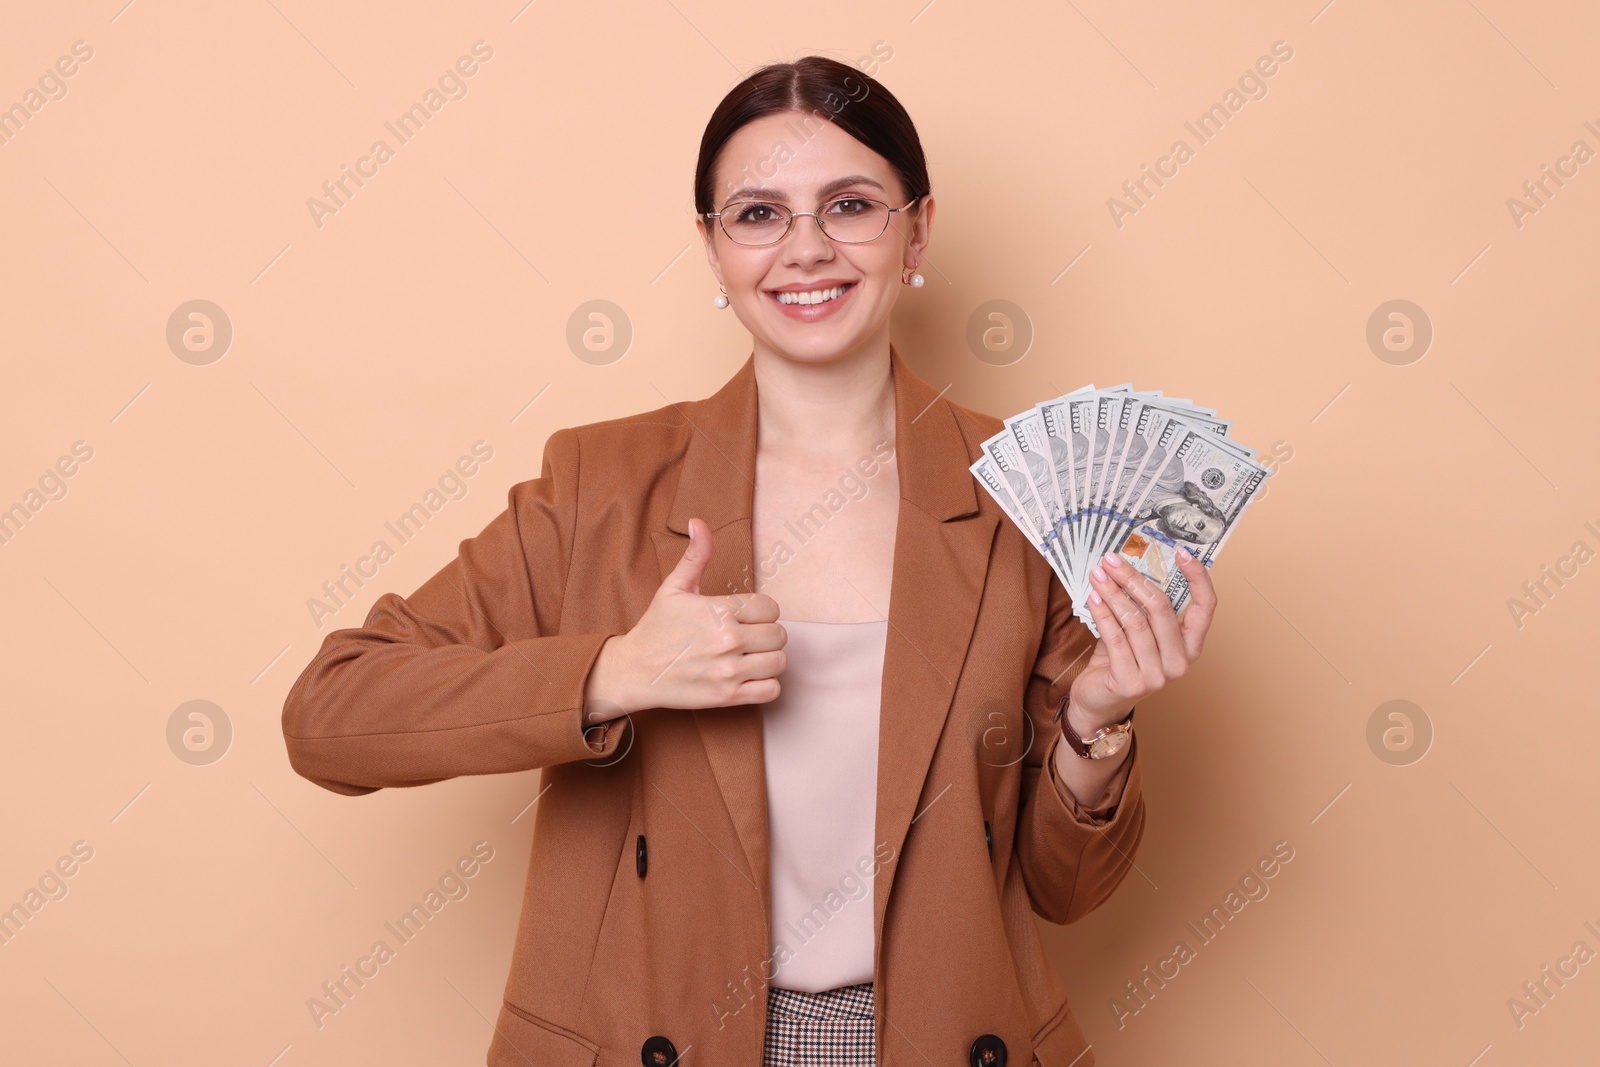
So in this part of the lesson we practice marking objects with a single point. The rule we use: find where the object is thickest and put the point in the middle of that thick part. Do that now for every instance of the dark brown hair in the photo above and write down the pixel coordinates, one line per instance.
(829, 91)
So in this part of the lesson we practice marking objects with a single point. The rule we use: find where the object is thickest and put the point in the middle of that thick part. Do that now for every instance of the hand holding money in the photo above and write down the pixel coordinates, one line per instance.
(1143, 644)
(1134, 474)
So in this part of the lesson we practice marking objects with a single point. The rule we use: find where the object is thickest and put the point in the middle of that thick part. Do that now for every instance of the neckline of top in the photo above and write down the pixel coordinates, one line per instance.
(818, 622)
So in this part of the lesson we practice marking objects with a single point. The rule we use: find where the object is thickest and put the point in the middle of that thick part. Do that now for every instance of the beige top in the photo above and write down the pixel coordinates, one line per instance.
(821, 752)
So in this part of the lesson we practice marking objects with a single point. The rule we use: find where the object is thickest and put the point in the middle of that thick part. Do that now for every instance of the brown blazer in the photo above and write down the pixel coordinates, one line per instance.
(646, 914)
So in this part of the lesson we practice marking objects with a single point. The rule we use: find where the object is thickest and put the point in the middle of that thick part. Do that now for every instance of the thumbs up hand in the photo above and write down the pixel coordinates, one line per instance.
(691, 651)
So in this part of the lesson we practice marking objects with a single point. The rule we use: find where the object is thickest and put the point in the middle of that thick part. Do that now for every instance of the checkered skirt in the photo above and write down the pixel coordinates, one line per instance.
(833, 1028)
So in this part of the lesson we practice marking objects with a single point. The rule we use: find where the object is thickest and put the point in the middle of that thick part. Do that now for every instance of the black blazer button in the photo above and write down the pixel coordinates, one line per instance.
(988, 839)
(641, 859)
(988, 1051)
(657, 1050)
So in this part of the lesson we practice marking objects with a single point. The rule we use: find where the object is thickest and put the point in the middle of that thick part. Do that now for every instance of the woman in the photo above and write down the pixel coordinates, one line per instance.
(796, 689)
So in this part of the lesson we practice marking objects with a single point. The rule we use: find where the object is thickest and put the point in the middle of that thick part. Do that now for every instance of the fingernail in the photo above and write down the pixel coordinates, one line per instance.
(1094, 597)
(1114, 560)
(1183, 555)
(1099, 575)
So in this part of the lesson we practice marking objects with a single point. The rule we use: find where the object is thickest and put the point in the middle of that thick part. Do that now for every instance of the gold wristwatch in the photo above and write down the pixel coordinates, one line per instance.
(1103, 743)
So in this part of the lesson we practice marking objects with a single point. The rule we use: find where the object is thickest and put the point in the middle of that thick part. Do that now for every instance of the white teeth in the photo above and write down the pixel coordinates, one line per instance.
(817, 296)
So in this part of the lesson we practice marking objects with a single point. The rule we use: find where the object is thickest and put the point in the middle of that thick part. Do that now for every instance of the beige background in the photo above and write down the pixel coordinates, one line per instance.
(431, 311)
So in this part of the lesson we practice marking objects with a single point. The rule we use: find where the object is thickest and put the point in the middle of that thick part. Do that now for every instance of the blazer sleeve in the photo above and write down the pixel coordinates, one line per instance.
(1071, 855)
(467, 675)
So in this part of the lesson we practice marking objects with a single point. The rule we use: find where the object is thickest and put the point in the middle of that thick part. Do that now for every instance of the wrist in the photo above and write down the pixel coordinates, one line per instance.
(1086, 723)
(607, 693)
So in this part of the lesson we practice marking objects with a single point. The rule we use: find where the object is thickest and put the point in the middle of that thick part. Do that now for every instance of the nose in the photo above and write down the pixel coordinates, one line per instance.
(806, 239)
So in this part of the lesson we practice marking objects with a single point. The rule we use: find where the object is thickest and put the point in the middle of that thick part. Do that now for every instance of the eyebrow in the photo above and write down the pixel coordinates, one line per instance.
(747, 192)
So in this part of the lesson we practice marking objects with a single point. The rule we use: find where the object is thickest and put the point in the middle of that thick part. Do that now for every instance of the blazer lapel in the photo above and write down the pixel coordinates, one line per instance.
(939, 570)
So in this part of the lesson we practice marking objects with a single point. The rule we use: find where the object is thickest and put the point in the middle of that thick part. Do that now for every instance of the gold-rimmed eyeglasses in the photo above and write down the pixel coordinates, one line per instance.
(850, 220)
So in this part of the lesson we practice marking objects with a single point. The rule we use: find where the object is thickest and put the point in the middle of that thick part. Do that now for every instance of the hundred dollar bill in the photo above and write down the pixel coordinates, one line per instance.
(1011, 466)
(1116, 470)
(1067, 451)
(1195, 501)
(1137, 429)
(989, 475)
(1082, 425)
(1032, 443)
(1110, 435)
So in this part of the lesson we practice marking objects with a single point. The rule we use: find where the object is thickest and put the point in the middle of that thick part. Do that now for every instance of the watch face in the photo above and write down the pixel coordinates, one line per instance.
(1109, 745)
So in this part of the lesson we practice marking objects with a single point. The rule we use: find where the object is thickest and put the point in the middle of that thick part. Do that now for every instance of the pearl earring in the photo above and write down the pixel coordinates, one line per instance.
(721, 299)
(914, 280)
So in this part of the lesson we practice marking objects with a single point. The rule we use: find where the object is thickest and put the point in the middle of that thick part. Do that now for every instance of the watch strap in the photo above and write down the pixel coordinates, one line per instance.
(1068, 734)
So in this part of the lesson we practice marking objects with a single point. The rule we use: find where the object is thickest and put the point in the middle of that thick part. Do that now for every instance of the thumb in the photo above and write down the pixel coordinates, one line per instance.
(685, 577)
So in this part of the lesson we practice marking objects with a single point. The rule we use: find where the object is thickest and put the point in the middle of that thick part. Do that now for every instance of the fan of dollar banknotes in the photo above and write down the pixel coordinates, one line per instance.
(1118, 470)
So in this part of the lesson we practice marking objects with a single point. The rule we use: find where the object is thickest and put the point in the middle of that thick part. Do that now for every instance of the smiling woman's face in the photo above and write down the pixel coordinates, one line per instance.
(768, 154)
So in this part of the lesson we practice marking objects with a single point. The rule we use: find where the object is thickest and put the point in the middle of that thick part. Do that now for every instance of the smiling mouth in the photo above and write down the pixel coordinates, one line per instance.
(811, 297)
